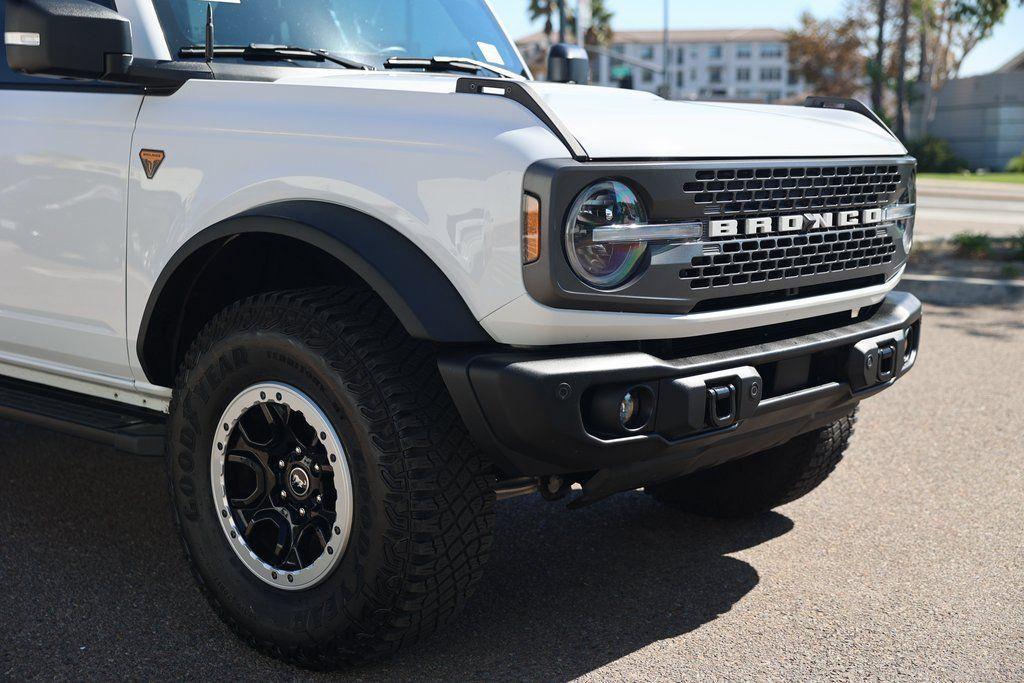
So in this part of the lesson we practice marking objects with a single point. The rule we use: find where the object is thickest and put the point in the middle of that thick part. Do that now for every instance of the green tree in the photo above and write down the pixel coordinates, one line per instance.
(829, 53)
(953, 28)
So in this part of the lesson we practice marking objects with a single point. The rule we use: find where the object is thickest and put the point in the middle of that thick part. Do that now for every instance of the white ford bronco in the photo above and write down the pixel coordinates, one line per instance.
(357, 276)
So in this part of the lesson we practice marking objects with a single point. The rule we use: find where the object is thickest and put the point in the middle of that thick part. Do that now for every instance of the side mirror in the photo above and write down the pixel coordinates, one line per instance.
(66, 38)
(568, 64)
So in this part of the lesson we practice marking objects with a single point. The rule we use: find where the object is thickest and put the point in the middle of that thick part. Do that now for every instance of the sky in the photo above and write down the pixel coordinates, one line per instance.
(1006, 41)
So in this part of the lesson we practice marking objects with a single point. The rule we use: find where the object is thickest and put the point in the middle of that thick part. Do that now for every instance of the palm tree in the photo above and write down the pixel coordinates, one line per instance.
(545, 9)
(600, 30)
(598, 33)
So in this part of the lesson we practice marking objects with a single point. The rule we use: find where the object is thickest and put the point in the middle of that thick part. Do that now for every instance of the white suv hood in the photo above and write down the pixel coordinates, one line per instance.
(612, 123)
(625, 124)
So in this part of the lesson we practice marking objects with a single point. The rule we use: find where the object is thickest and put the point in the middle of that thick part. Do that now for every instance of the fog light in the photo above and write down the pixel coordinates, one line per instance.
(616, 411)
(627, 409)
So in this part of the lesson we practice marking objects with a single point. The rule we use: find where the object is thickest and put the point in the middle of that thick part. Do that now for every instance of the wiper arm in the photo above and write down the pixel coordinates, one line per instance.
(465, 64)
(274, 52)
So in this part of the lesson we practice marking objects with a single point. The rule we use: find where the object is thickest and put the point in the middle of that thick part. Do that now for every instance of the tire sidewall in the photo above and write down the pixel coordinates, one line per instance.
(228, 367)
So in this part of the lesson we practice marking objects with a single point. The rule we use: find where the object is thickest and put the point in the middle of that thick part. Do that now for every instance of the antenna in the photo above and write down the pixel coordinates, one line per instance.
(209, 32)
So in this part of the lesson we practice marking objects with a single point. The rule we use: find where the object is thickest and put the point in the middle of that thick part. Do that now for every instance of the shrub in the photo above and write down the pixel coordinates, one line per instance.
(1017, 241)
(972, 244)
(934, 155)
(1016, 164)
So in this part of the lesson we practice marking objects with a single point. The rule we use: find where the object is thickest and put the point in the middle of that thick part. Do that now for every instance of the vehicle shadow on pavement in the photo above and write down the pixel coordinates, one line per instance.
(96, 586)
(1003, 326)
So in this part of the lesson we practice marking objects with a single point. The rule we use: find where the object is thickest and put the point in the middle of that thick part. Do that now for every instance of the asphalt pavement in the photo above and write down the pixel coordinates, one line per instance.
(907, 563)
(948, 207)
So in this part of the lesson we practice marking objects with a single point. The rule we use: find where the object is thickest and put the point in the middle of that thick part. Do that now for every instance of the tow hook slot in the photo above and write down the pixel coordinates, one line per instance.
(716, 400)
(722, 406)
(886, 361)
(878, 360)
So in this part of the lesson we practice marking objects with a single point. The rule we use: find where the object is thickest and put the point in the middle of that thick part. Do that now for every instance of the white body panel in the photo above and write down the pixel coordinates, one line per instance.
(445, 170)
(625, 124)
(524, 322)
(63, 201)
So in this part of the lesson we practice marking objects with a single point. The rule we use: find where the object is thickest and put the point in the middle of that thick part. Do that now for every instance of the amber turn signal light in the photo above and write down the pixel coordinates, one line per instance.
(531, 228)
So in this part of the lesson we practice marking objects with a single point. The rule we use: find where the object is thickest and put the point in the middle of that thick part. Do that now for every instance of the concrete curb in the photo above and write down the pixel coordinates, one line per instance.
(962, 291)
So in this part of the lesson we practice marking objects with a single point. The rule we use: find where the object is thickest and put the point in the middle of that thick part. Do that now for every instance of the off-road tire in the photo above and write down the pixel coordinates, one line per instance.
(423, 498)
(763, 481)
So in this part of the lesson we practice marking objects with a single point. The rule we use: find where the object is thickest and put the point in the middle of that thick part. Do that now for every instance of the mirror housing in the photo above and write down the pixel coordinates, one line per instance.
(568, 63)
(67, 39)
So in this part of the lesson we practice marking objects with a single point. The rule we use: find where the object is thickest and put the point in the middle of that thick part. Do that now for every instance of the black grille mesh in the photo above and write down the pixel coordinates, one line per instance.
(742, 191)
(770, 259)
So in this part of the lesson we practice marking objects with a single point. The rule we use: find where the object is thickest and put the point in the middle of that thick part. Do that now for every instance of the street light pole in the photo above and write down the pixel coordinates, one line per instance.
(561, 21)
(664, 58)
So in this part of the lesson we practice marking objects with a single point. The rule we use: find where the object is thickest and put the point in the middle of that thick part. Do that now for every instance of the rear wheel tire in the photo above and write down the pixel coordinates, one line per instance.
(763, 481)
(419, 496)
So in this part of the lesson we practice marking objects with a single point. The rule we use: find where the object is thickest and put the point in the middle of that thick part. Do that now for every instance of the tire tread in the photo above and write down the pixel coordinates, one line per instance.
(439, 504)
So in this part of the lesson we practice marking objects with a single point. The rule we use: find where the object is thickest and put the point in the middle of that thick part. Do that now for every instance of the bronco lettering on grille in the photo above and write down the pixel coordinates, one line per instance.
(730, 227)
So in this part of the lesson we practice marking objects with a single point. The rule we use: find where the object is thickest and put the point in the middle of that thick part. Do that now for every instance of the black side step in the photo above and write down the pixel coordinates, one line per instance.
(127, 429)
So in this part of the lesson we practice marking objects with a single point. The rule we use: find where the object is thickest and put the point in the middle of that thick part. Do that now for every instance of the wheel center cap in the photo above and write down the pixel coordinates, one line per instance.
(298, 482)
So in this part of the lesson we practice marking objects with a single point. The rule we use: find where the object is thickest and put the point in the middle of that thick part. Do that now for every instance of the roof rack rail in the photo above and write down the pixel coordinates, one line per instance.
(848, 104)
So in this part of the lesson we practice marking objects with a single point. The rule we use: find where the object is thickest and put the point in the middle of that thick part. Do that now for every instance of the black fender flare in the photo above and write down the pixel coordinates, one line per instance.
(422, 297)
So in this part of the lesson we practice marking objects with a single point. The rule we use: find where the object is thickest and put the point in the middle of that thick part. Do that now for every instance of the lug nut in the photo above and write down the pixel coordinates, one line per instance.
(280, 463)
(302, 512)
(284, 494)
(319, 498)
(297, 450)
(316, 467)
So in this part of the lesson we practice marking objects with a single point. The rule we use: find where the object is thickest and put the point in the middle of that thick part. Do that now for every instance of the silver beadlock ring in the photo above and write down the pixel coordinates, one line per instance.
(324, 460)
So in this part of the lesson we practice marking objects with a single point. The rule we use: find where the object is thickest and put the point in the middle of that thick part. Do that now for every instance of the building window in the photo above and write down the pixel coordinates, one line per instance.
(743, 74)
(743, 94)
(715, 52)
(772, 96)
(714, 74)
(680, 53)
(679, 79)
(648, 76)
(794, 77)
(771, 51)
(647, 53)
(771, 73)
(743, 51)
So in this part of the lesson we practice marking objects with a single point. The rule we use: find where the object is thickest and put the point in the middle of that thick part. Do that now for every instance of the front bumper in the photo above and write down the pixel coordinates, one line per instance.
(705, 401)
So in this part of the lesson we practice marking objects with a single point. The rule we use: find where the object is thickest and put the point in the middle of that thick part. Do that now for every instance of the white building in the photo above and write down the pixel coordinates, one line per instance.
(722, 64)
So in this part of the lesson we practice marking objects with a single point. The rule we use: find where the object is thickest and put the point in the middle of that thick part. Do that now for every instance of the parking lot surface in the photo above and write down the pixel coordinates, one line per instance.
(908, 562)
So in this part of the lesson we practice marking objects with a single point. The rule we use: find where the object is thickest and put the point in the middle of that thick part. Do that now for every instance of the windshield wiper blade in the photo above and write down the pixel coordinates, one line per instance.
(465, 64)
(257, 51)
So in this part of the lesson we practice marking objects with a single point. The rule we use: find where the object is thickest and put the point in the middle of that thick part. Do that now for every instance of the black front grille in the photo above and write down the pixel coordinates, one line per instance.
(771, 259)
(765, 191)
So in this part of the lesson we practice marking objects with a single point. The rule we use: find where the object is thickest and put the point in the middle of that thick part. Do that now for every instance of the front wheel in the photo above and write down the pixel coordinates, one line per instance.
(762, 481)
(331, 505)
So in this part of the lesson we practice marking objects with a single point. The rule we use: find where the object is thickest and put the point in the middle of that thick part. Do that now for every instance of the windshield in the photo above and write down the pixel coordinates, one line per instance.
(369, 31)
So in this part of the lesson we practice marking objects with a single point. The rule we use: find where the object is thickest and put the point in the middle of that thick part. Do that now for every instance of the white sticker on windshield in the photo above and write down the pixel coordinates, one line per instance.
(490, 53)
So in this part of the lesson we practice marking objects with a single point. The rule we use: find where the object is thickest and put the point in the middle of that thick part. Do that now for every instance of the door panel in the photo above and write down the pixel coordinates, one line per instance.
(64, 159)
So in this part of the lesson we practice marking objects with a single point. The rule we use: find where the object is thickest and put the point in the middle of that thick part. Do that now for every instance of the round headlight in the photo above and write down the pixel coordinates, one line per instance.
(608, 204)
